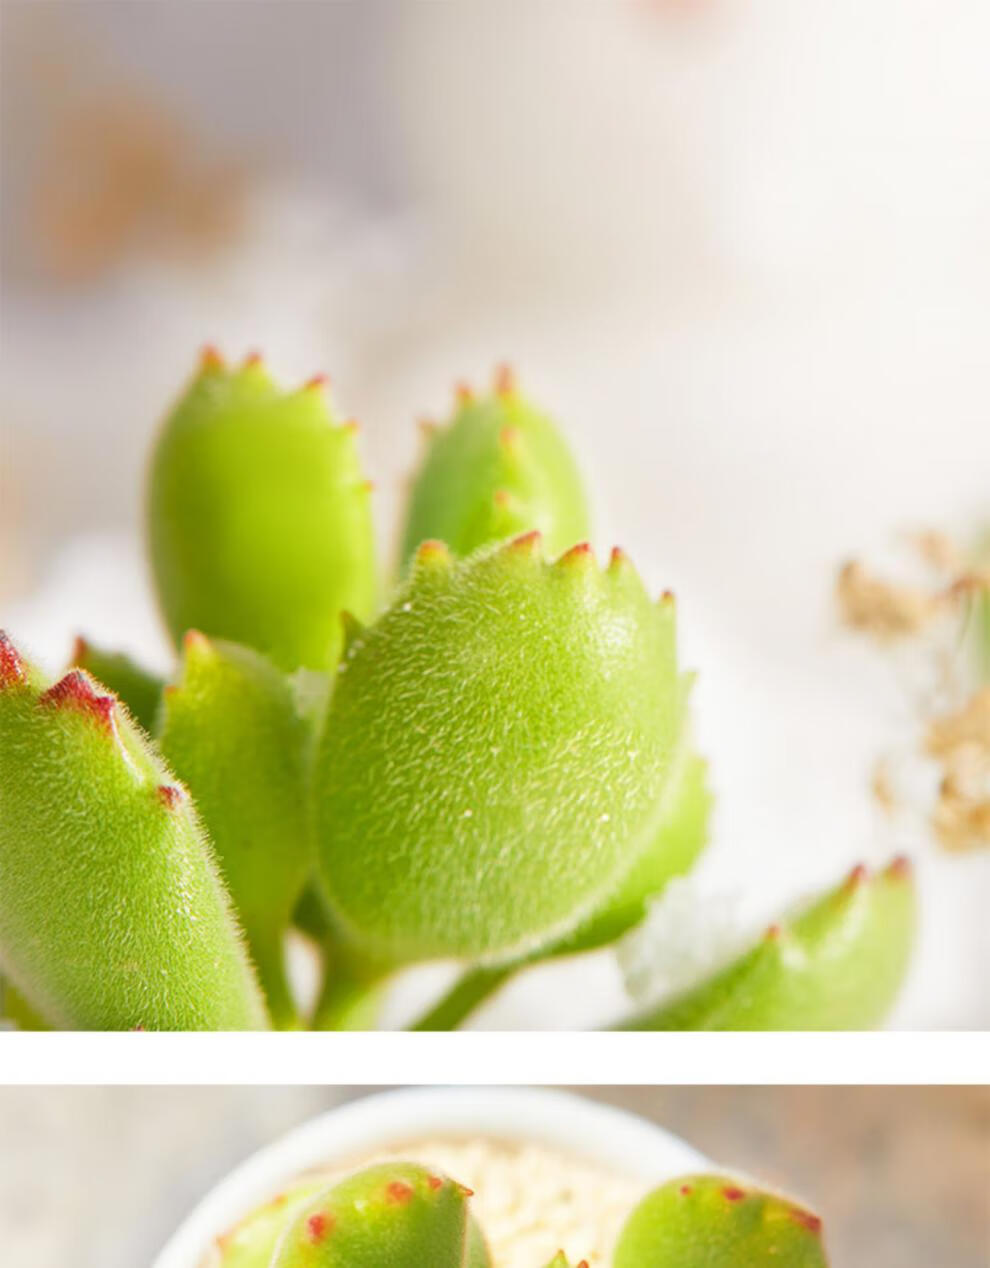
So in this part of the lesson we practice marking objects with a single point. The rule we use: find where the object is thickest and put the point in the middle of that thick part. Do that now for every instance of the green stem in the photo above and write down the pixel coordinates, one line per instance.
(268, 953)
(352, 993)
(468, 993)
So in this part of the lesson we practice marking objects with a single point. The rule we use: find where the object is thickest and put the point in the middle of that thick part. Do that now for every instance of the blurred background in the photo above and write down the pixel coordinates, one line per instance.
(902, 1175)
(740, 249)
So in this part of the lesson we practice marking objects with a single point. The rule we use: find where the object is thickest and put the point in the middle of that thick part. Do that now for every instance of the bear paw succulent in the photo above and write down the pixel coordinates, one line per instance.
(496, 767)
(401, 1214)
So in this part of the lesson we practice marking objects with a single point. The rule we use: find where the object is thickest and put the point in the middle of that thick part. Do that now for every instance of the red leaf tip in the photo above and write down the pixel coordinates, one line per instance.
(432, 552)
(195, 641)
(12, 672)
(806, 1219)
(398, 1191)
(505, 380)
(900, 868)
(317, 1227)
(170, 795)
(579, 554)
(318, 383)
(527, 544)
(210, 359)
(858, 876)
(463, 393)
(75, 691)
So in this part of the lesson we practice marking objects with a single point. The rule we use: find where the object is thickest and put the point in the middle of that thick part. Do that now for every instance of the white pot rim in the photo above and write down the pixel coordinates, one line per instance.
(600, 1133)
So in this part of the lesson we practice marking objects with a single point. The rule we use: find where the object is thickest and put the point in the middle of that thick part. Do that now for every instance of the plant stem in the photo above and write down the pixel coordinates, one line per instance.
(468, 993)
(268, 954)
(352, 993)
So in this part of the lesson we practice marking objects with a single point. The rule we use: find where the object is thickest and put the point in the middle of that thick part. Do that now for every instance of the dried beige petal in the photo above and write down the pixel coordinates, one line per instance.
(938, 551)
(968, 727)
(879, 608)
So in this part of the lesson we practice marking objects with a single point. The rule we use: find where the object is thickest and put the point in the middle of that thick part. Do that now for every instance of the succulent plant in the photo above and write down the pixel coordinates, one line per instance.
(496, 752)
(499, 469)
(113, 914)
(838, 965)
(498, 768)
(259, 518)
(716, 1222)
(395, 1215)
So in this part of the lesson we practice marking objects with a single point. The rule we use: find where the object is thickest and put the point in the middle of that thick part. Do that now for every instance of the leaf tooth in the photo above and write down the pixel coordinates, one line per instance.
(171, 796)
(464, 393)
(504, 381)
(807, 1219)
(857, 878)
(619, 562)
(579, 558)
(527, 545)
(253, 361)
(211, 360)
(900, 868)
(75, 690)
(318, 383)
(433, 555)
(196, 647)
(12, 671)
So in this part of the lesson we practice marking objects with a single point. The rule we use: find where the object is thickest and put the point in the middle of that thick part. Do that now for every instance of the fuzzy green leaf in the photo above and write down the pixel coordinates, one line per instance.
(499, 469)
(716, 1222)
(836, 966)
(496, 753)
(252, 1243)
(113, 915)
(259, 519)
(396, 1215)
(231, 732)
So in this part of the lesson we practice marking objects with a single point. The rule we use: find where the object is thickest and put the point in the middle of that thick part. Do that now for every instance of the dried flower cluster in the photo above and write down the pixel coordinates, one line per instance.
(940, 619)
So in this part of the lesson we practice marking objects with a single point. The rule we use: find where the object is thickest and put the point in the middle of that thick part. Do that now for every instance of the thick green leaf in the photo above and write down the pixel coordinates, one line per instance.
(259, 518)
(716, 1222)
(231, 731)
(499, 469)
(496, 752)
(113, 914)
(837, 966)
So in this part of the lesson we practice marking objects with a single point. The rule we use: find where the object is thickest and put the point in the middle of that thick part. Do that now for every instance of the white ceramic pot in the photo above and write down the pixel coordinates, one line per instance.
(598, 1133)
